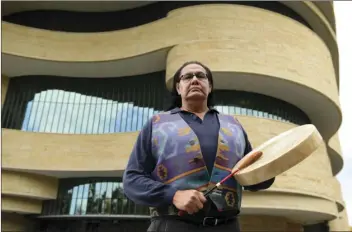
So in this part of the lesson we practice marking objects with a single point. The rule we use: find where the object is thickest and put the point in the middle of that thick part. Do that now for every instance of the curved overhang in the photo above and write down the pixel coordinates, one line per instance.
(104, 46)
(327, 8)
(321, 26)
(276, 61)
(336, 158)
(336, 186)
(66, 155)
(25, 185)
(10, 7)
(319, 15)
(10, 204)
(293, 207)
(331, 195)
(336, 161)
(145, 63)
(340, 223)
(296, 207)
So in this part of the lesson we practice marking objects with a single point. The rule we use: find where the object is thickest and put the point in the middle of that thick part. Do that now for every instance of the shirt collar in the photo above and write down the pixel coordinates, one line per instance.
(178, 110)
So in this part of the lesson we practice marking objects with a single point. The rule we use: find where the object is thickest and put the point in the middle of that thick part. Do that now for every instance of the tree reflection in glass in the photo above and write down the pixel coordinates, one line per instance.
(95, 197)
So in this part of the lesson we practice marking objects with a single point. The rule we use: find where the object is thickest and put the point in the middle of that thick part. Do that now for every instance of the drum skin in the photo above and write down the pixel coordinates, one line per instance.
(280, 153)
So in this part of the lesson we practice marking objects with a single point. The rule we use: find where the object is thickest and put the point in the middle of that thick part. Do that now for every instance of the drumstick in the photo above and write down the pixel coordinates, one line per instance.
(245, 162)
(241, 165)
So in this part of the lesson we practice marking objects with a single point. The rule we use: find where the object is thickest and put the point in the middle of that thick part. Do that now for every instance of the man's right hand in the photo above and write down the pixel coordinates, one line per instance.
(190, 201)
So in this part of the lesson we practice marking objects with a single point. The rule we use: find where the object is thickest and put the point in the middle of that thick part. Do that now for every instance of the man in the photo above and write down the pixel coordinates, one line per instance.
(181, 153)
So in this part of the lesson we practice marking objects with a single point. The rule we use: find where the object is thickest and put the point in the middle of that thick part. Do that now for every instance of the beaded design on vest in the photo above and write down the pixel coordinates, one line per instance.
(180, 162)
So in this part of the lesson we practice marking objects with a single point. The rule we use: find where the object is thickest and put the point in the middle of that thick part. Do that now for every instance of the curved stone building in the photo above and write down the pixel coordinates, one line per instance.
(79, 80)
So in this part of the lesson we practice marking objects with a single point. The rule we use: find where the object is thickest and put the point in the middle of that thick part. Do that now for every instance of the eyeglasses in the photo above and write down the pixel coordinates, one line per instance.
(188, 76)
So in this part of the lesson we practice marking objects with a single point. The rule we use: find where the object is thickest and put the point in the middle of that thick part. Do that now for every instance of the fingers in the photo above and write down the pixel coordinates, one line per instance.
(258, 156)
(196, 202)
(190, 201)
(248, 160)
(202, 197)
(192, 208)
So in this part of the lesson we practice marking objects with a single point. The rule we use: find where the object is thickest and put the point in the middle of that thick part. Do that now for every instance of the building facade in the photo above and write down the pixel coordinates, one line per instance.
(80, 79)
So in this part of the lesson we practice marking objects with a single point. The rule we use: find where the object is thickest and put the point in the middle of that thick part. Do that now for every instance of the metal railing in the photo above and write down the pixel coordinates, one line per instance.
(111, 105)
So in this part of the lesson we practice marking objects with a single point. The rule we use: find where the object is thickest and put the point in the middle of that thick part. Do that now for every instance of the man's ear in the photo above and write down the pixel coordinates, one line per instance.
(178, 88)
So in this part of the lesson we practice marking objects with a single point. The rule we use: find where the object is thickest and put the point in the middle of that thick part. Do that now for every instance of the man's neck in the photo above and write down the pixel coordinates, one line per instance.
(195, 108)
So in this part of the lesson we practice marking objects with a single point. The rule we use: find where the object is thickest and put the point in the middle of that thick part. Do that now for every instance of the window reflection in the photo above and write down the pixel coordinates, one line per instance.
(58, 111)
(257, 105)
(95, 197)
(111, 105)
(249, 112)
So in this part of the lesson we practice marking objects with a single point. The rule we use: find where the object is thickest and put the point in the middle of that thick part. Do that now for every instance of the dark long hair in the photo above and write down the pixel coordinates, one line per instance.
(176, 100)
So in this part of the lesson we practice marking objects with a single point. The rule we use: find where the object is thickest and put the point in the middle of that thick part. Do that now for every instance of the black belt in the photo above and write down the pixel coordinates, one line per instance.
(213, 221)
(205, 221)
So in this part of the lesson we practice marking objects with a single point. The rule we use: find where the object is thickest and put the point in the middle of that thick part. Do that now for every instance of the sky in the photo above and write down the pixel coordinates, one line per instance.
(343, 17)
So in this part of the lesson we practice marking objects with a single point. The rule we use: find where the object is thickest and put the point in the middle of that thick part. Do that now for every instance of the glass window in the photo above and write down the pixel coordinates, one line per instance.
(109, 200)
(83, 105)
(111, 105)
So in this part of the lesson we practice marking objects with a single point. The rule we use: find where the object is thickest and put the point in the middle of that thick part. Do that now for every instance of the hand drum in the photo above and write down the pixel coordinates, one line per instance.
(280, 153)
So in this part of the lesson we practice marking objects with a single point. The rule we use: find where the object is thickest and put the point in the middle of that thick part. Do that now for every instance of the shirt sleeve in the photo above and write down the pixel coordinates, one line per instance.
(260, 186)
(139, 186)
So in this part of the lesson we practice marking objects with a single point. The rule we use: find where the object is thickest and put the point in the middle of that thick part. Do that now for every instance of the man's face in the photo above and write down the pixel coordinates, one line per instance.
(194, 83)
